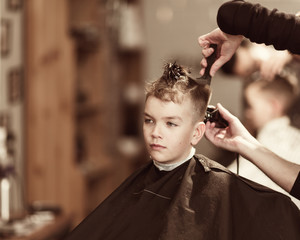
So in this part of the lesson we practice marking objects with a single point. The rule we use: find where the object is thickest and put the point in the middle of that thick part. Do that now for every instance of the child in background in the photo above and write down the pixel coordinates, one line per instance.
(180, 195)
(268, 103)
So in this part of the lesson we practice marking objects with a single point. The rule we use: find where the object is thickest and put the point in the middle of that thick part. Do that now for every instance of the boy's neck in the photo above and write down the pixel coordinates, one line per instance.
(171, 166)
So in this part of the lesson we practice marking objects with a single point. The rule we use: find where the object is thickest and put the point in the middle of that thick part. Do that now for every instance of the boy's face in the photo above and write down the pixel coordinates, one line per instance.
(260, 109)
(170, 130)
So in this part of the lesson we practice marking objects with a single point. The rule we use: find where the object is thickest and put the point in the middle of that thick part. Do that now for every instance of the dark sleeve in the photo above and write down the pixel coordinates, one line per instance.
(296, 188)
(260, 24)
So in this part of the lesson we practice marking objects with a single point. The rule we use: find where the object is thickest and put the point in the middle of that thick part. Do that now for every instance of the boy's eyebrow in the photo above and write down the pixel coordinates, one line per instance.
(174, 117)
(168, 118)
(147, 115)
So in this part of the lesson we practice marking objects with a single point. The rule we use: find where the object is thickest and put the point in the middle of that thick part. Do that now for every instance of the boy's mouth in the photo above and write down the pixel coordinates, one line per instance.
(157, 147)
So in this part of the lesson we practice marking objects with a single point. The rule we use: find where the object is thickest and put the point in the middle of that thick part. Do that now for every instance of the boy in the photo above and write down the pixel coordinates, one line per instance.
(268, 103)
(179, 195)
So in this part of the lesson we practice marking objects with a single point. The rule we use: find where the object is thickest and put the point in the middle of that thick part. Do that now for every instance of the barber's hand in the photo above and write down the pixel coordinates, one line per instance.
(231, 137)
(274, 64)
(227, 45)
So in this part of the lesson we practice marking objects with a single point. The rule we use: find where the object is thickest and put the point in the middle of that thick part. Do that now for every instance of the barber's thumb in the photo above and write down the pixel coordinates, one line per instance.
(224, 112)
(214, 68)
(212, 71)
(217, 65)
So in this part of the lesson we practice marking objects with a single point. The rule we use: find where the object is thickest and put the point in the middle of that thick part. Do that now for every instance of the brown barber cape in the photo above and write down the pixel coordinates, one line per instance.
(198, 200)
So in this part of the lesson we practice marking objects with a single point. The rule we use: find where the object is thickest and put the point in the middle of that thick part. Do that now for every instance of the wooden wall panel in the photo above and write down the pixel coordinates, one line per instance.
(51, 172)
(72, 145)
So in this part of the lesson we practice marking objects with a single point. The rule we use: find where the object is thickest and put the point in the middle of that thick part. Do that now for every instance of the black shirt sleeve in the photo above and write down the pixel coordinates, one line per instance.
(260, 24)
(296, 188)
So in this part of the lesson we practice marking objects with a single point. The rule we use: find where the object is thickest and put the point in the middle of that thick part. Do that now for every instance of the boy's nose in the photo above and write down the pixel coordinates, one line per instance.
(156, 132)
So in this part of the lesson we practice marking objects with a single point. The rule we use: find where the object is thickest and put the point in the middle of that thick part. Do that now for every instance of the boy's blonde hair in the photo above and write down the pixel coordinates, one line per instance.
(176, 84)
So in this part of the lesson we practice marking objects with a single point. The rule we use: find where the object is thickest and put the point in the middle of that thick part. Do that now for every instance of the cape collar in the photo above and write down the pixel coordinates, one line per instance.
(171, 166)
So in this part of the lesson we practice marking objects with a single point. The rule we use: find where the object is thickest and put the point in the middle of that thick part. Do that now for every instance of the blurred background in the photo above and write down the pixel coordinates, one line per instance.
(71, 98)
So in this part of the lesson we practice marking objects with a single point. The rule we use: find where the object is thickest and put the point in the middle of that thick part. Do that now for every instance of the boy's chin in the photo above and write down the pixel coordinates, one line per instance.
(162, 160)
(159, 159)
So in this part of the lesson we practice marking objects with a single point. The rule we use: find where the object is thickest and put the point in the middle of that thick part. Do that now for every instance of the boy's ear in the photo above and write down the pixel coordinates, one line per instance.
(277, 107)
(198, 133)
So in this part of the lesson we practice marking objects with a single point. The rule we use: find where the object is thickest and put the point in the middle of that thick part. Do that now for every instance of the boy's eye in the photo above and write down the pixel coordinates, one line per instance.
(170, 124)
(148, 120)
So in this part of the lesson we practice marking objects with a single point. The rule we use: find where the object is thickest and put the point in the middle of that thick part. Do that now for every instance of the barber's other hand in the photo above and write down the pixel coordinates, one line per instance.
(232, 137)
(227, 45)
(275, 64)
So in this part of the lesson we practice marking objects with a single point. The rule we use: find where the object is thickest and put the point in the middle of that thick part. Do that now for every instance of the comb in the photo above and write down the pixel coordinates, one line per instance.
(206, 78)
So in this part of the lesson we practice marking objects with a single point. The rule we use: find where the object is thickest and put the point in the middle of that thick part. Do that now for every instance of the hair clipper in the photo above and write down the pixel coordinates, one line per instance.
(213, 115)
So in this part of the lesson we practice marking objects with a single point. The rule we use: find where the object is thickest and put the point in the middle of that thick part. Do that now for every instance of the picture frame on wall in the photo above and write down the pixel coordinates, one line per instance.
(14, 5)
(15, 85)
(5, 33)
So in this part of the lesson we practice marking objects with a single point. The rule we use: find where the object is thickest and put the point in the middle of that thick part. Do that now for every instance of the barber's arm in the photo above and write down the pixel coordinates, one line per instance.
(236, 138)
(238, 19)
(260, 24)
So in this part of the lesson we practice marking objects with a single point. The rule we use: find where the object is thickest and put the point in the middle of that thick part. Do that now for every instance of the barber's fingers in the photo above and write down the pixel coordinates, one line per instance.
(214, 68)
(203, 63)
(225, 113)
(218, 64)
(210, 130)
(202, 71)
(215, 135)
(207, 52)
(203, 42)
(213, 131)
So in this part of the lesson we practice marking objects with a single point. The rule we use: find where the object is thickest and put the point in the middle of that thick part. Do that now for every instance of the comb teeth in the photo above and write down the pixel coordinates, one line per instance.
(203, 80)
